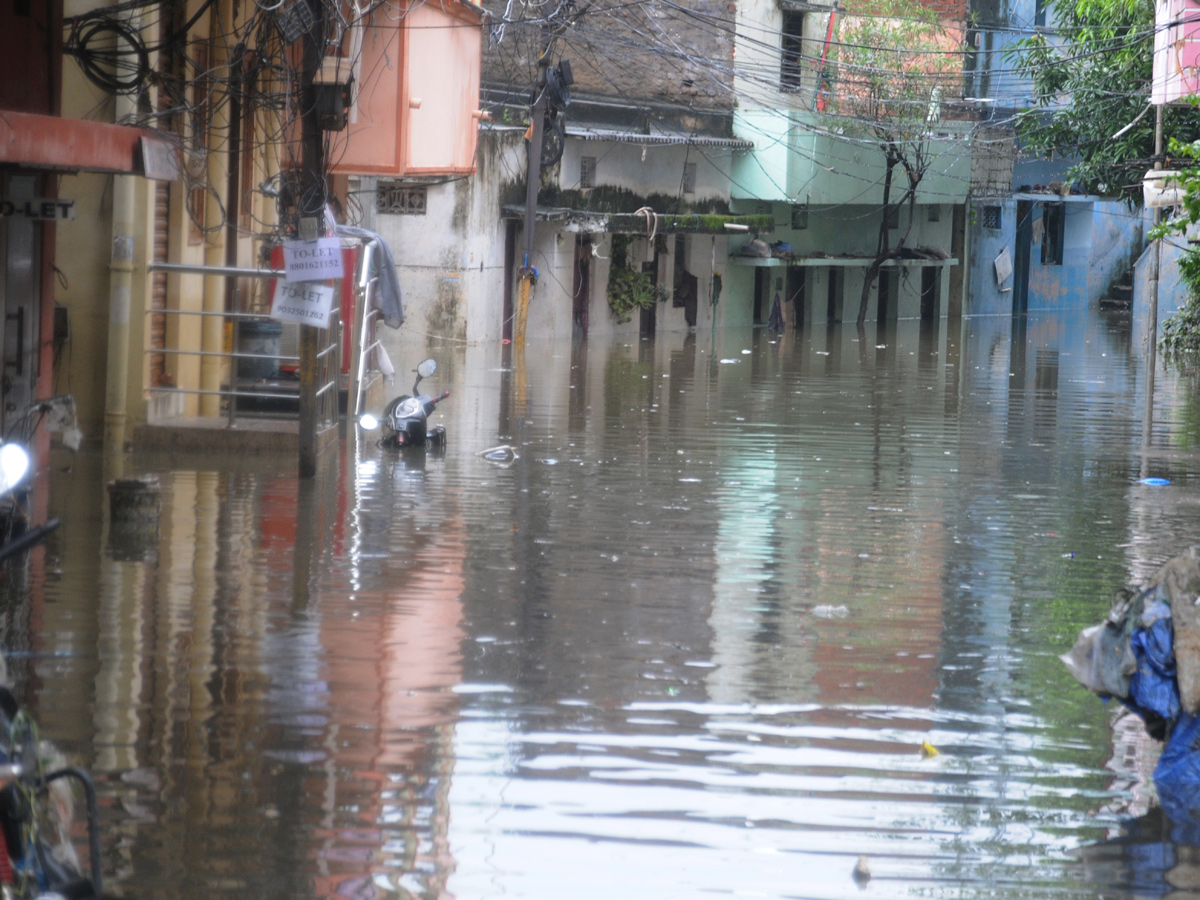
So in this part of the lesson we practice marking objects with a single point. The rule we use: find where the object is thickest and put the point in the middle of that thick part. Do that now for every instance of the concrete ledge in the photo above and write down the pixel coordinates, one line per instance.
(215, 436)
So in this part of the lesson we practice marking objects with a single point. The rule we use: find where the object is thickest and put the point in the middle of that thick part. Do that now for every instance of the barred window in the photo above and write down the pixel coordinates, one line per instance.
(587, 171)
(689, 178)
(397, 199)
(991, 217)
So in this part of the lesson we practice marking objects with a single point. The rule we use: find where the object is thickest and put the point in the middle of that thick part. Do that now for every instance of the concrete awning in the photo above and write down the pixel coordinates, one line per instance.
(648, 222)
(77, 145)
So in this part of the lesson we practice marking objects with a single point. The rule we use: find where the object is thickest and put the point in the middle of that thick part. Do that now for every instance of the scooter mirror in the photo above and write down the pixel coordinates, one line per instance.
(427, 367)
(368, 422)
(14, 463)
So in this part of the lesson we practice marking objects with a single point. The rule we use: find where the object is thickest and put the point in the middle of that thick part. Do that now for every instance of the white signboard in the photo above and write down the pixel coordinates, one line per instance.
(1004, 267)
(313, 260)
(302, 301)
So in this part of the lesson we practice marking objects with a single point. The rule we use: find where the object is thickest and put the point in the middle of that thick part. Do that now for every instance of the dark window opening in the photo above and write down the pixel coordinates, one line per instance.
(991, 217)
(587, 171)
(689, 178)
(791, 69)
(893, 217)
(799, 217)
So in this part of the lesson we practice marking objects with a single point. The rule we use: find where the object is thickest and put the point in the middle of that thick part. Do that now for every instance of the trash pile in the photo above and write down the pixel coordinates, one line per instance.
(1146, 654)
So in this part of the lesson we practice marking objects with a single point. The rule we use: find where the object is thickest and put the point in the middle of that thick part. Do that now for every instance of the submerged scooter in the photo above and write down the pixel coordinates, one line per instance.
(405, 420)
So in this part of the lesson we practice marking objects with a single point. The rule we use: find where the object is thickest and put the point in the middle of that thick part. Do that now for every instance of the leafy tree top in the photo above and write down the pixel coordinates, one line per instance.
(1091, 78)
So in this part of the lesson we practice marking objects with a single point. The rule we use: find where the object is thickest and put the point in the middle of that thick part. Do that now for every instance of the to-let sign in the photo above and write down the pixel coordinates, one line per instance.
(302, 301)
(42, 209)
(313, 260)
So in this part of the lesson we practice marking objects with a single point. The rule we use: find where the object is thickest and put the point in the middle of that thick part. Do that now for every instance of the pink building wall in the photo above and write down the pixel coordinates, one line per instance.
(417, 95)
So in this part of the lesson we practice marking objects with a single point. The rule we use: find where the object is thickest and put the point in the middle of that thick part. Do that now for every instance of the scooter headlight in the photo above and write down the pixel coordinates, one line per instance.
(14, 464)
(368, 422)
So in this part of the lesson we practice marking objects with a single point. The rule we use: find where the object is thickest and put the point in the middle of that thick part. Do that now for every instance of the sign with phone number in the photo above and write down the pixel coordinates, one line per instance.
(305, 302)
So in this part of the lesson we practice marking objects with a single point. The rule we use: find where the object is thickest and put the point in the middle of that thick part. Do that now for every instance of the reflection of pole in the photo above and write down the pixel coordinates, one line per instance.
(312, 215)
(1152, 308)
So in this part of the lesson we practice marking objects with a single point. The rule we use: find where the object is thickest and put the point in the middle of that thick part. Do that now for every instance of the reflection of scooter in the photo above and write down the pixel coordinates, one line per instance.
(405, 420)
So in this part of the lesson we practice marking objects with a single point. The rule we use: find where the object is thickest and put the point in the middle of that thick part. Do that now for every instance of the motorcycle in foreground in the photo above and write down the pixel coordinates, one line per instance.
(37, 856)
(405, 420)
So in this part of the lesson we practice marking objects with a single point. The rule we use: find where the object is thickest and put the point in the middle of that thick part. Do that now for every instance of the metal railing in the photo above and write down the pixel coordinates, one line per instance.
(364, 339)
(237, 386)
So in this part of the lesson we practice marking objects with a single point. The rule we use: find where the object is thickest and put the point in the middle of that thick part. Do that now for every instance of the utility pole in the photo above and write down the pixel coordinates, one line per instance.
(527, 276)
(312, 215)
(1152, 307)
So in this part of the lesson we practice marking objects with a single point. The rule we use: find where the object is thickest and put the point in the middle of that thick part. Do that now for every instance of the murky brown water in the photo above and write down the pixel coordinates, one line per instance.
(689, 643)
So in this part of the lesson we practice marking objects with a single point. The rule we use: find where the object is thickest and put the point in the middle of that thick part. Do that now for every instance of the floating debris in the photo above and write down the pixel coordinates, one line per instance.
(1155, 482)
(503, 455)
(825, 611)
(862, 871)
(928, 751)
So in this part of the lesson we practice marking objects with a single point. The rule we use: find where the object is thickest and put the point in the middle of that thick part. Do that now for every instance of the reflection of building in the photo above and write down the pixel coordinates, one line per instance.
(390, 729)
(254, 702)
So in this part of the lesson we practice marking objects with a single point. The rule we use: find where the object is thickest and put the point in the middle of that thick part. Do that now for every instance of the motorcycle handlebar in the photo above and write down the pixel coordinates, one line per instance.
(441, 397)
(28, 539)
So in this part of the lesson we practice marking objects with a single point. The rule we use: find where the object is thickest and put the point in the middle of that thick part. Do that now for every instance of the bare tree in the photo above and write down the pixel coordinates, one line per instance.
(895, 63)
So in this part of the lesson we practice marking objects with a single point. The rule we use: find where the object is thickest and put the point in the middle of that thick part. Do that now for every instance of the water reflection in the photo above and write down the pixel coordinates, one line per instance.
(690, 641)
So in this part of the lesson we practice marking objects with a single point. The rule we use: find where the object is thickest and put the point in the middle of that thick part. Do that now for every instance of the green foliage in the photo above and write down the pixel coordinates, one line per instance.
(628, 288)
(1091, 79)
(1181, 332)
(1180, 339)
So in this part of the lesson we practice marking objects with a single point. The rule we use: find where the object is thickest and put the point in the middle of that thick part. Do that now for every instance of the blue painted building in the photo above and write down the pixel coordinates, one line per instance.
(1060, 250)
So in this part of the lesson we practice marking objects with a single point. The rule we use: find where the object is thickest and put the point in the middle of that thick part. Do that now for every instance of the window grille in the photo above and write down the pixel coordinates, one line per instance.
(393, 198)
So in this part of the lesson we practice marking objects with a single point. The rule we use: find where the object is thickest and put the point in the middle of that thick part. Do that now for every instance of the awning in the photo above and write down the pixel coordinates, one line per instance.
(634, 137)
(78, 145)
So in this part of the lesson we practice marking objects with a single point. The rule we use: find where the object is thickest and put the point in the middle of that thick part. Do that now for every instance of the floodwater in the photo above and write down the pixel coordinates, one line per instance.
(690, 642)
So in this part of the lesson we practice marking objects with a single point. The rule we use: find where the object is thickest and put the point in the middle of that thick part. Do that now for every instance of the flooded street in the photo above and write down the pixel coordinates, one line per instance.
(690, 642)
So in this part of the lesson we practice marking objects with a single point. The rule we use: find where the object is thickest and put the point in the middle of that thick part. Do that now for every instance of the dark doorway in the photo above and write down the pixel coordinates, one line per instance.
(687, 289)
(931, 292)
(887, 295)
(797, 290)
(582, 289)
(762, 288)
(1020, 288)
(833, 297)
(649, 320)
(21, 290)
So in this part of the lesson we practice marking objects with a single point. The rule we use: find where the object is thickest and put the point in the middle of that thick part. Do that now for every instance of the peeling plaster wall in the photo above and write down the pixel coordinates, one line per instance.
(451, 260)
(1101, 240)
